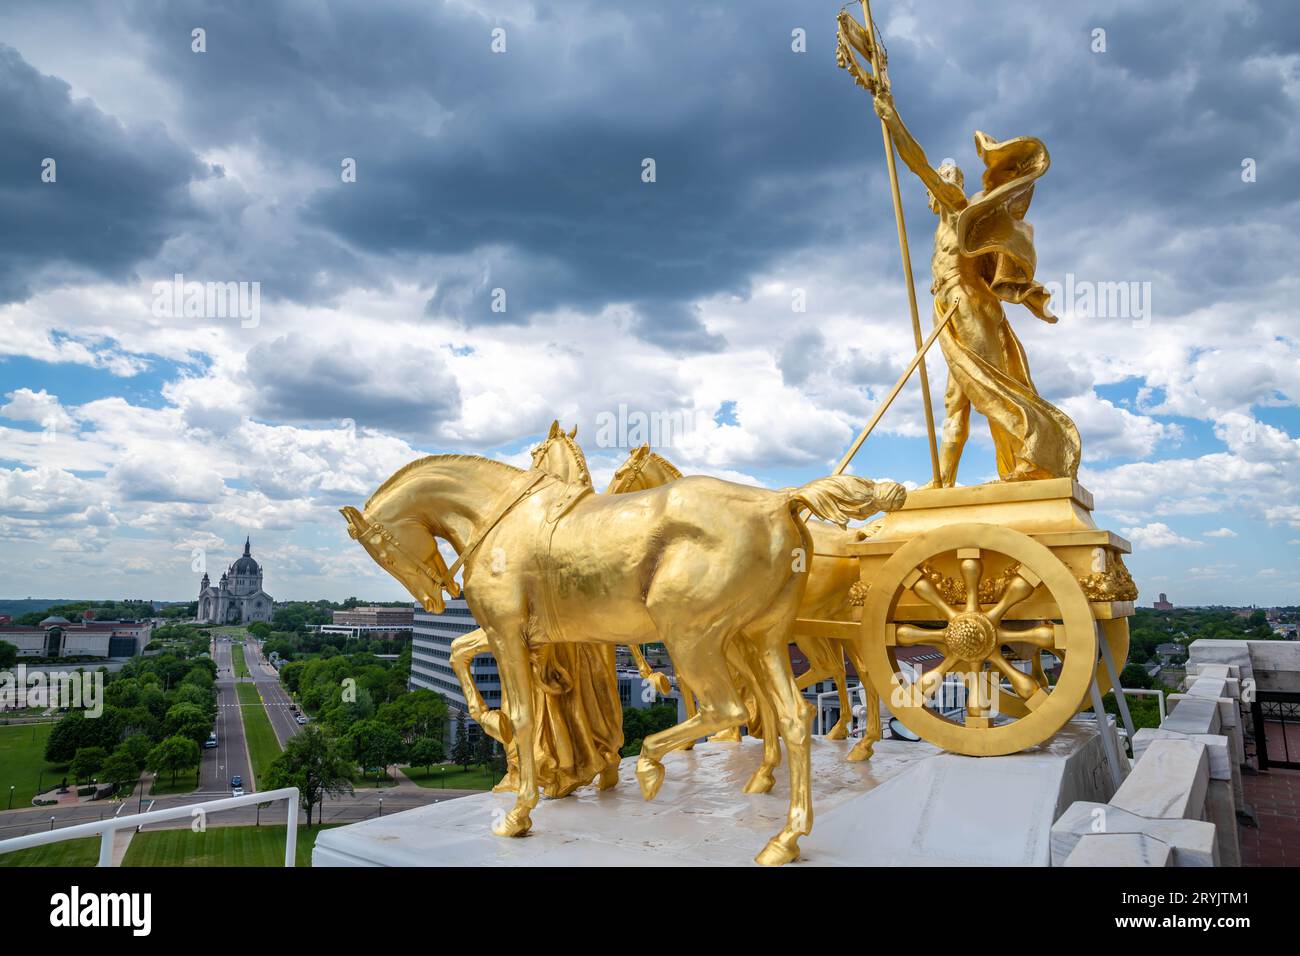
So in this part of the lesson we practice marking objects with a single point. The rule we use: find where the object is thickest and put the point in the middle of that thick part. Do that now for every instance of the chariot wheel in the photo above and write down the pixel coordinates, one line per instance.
(955, 590)
(1117, 639)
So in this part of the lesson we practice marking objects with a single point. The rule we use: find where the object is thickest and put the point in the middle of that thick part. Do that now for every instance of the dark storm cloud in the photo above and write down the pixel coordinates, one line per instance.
(296, 379)
(523, 170)
(118, 193)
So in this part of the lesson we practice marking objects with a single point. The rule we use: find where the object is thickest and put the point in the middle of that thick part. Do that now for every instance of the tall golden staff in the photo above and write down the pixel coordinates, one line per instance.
(881, 77)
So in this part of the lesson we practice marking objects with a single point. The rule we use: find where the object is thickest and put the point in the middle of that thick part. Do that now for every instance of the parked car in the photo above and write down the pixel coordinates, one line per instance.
(300, 719)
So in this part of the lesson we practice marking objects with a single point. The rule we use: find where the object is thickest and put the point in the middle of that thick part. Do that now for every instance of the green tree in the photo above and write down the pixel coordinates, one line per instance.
(188, 720)
(87, 762)
(316, 764)
(420, 713)
(375, 744)
(1135, 676)
(260, 629)
(121, 770)
(462, 750)
(137, 747)
(8, 655)
(74, 731)
(174, 755)
(484, 750)
(425, 752)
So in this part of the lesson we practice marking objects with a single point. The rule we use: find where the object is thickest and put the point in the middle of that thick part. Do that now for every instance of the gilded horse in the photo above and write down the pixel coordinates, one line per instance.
(827, 597)
(704, 566)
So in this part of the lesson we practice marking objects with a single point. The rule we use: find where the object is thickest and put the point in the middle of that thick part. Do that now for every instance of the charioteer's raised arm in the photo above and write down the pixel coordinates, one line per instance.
(947, 194)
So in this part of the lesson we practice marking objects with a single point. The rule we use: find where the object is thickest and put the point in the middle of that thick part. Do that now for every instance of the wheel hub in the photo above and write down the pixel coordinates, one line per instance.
(971, 636)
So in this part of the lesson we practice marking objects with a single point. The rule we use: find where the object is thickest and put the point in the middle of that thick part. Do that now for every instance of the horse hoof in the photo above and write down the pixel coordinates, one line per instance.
(650, 774)
(731, 736)
(761, 782)
(608, 778)
(661, 684)
(839, 732)
(498, 726)
(515, 824)
(778, 852)
(507, 785)
(862, 751)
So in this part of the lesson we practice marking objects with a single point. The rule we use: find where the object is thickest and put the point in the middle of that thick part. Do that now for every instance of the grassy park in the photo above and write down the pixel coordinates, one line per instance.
(263, 746)
(218, 846)
(84, 852)
(238, 661)
(453, 777)
(23, 765)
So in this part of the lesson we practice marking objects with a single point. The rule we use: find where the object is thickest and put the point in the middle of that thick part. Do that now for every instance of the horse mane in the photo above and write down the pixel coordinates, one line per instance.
(584, 472)
(421, 463)
(666, 465)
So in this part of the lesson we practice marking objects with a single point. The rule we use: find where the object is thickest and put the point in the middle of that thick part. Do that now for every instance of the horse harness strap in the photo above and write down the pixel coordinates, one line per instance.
(508, 501)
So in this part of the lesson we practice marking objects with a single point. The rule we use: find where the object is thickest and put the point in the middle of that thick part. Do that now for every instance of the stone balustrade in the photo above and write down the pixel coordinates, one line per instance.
(1179, 804)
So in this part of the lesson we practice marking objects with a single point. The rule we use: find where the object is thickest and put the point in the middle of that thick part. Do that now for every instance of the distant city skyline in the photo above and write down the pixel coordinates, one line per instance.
(246, 287)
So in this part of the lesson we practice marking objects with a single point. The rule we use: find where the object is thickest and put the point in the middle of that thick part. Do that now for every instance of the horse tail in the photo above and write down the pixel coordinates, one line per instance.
(842, 498)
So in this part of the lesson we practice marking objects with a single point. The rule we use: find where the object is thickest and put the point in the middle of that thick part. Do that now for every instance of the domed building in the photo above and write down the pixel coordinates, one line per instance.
(238, 598)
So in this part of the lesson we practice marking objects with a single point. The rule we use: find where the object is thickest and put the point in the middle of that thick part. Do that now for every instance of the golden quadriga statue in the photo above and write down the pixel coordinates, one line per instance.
(712, 569)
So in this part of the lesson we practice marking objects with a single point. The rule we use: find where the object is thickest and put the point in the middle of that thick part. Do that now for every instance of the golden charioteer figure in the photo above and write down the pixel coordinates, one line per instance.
(993, 577)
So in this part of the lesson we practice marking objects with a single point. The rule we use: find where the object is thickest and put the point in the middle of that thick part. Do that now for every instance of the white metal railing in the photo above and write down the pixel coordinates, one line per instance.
(106, 830)
(1159, 695)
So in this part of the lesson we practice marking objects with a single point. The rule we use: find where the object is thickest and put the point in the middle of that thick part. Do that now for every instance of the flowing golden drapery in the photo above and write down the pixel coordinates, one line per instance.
(580, 724)
(987, 364)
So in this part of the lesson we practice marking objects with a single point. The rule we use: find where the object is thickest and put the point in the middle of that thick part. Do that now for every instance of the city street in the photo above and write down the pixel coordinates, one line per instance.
(230, 756)
(275, 699)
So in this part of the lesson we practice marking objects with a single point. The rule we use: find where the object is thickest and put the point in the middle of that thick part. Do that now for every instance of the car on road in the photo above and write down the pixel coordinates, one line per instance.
(211, 741)
(300, 719)
(236, 782)
(237, 792)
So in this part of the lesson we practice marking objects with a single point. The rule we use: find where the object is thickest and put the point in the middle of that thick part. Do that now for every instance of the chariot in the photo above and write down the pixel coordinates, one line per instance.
(983, 583)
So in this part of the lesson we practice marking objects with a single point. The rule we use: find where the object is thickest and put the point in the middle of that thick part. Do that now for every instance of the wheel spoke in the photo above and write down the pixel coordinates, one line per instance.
(924, 588)
(1018, 588)
(907, 635)
(927, 682)
(1024, 685)
(972, 569)
(977, 703)
(1043, 636)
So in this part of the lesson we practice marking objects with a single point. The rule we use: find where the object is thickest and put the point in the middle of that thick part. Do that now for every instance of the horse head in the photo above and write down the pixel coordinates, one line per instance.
(560, 455)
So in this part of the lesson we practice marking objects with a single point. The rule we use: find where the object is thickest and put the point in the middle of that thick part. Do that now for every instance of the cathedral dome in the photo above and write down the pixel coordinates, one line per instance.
(246, 564)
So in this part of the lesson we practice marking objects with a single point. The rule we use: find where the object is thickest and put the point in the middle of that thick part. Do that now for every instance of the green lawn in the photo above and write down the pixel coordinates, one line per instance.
(22, 758)
(453, 777)
(219, 846)
(84, 852)
(263, 747)
(185, 783)
(368, 781)
(237, 659)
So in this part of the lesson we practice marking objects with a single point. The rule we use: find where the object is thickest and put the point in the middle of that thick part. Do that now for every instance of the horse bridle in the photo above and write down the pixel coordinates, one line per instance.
(377, 539)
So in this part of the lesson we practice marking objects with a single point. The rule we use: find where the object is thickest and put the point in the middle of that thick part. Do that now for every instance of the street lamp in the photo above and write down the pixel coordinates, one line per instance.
(11, 796)
(381, 806)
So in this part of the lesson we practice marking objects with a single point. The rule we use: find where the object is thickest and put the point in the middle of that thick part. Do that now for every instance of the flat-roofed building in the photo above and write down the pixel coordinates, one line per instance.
(58, 637)
(431, 637)
(392, 617)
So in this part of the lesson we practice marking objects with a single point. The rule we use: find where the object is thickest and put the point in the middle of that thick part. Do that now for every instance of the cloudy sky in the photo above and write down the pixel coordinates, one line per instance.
(134, 435)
